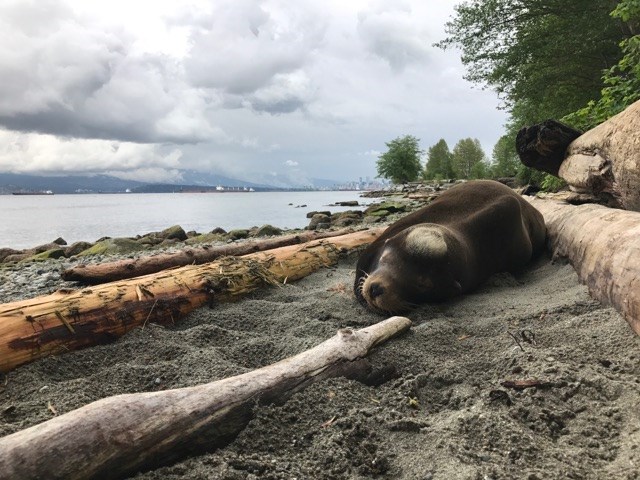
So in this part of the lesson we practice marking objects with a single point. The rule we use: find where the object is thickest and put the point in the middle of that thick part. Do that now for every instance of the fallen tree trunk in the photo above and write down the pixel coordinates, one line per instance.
(111, 271)
(72, 319)
(603, 162)
(121, 435)
(603, 245)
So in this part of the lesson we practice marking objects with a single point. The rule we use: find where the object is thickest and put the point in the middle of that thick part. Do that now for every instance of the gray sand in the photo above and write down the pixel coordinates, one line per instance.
(444, 415)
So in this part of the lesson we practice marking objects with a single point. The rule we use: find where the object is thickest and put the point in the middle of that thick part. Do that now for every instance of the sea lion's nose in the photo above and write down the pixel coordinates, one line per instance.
(375, 290)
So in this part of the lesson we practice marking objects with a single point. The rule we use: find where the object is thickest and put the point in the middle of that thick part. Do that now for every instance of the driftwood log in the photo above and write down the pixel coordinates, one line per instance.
(603, 162)
(543, 146)
(93, 274)
(603, 246)
(119, 436)
(73, 319)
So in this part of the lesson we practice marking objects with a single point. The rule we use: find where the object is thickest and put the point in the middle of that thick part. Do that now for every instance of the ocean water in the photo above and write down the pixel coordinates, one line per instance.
(33, 220)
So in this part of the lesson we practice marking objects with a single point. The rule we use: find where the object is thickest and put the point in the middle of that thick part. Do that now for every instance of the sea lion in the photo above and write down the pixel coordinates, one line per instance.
(449, 247)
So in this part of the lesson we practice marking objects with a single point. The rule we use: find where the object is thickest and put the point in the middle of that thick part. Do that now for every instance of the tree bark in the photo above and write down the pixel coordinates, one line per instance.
(94, 274)
(603, 162)
(72, 319)
(543, 146)
(603, 245)
(121, 435)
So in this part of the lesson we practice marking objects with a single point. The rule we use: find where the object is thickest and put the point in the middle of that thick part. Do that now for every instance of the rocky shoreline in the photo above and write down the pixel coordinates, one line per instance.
(37, 271)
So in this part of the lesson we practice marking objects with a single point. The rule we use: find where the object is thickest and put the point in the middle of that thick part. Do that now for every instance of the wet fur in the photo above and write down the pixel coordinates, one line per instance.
(488, 228)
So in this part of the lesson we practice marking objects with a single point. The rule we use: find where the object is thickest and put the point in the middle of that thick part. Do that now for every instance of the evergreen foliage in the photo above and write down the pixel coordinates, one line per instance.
(504, 159)
(439, 162)
(468, 159)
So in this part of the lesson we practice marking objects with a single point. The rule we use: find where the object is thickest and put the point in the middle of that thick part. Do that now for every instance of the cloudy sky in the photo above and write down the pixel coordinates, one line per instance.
(244, 88)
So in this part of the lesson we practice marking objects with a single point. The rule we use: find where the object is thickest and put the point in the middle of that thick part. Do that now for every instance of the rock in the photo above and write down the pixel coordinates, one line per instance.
(77, 247)
(150, 240)
(157, 238)
(41, 248)
(344, 219)
(176, 232)
(219, 230)
(121, 246)
(238, 234)
(192, 233)
(46, 255)
(60, 241)
(5, 252)
(16, 257)
(268, 231)
(349, 203)
(206, 238)
(317, 219)
(371, 219)
(311, 214)
(385, 208)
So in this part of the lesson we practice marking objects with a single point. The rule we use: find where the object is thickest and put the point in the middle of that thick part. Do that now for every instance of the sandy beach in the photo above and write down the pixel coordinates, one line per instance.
(442, 413)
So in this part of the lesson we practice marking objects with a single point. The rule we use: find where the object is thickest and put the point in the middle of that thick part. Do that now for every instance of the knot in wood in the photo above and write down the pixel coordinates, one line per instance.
(346, 334)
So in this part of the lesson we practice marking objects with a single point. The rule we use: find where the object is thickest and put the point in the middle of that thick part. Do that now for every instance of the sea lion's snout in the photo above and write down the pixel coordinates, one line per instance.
(375, 290)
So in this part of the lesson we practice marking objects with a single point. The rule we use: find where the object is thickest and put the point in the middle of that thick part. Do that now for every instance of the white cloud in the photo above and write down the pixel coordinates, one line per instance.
(37, 153)
(291, 163)
(237, 87)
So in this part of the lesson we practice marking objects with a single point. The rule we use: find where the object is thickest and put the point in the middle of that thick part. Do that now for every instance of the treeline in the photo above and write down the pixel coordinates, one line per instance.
(402, 162)
(467, 160)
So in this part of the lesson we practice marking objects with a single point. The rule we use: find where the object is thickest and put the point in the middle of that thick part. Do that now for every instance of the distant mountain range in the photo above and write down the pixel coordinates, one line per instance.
(191, 181)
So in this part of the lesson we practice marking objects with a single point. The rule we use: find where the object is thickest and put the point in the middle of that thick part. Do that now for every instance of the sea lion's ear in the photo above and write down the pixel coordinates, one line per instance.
(426, 240)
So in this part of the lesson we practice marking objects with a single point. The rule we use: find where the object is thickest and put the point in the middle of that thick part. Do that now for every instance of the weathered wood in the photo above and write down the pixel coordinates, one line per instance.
(94, 274)
(543, 146)
(603, 245)
(121, 435)
(603, 162)
(72, 319)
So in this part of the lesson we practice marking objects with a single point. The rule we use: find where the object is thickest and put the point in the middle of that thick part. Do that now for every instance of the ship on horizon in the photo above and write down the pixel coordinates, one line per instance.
(38, 192)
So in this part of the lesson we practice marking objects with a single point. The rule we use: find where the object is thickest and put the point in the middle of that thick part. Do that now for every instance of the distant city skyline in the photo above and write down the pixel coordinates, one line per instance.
(249, 89)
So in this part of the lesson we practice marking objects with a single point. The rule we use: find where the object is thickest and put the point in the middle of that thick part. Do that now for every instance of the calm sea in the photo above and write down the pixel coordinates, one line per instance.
(32, 220)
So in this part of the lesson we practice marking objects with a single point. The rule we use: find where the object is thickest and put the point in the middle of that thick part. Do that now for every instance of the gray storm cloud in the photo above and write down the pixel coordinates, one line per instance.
(258, 82)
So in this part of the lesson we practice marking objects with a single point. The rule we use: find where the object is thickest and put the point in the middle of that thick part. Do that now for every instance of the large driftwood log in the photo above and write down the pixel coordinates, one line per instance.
(121, 435)
(603, 245)
(543, 146)
(72, 319)
(94, 274)
(604, 162)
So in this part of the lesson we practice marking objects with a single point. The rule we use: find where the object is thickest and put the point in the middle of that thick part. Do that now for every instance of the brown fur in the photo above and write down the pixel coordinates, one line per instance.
(487, 228)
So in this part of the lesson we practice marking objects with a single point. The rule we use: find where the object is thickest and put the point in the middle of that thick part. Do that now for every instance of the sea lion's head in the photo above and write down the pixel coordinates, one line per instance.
(412, 267)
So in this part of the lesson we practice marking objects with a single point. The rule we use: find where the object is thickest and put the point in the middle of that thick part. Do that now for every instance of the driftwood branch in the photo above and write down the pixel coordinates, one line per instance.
(94, 274)
(603, 162)
(72, 319)
(603, 245)
(121, 435)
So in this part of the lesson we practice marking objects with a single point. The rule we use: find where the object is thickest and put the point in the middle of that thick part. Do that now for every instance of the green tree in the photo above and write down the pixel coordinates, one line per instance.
(504, 159)
(439, 164)
(621, 81)
(468, 159)
(543, 57)
(401, 162)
